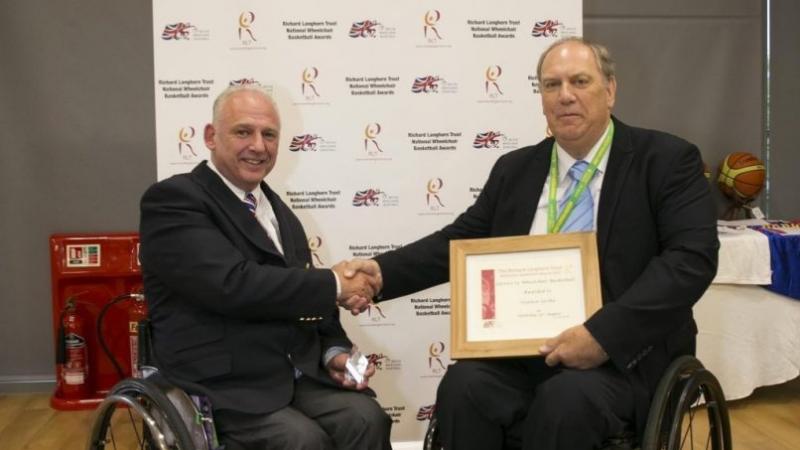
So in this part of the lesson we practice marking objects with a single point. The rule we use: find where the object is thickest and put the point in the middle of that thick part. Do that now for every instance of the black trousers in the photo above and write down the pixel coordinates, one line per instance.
(522, 403)
(320, 417)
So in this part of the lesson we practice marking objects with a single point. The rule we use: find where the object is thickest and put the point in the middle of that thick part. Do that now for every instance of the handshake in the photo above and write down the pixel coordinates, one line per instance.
(360, 281)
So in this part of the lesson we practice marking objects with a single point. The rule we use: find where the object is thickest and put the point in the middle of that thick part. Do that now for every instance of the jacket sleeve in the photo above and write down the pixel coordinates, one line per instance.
(187, 254)
(667, 247)
(425, 262)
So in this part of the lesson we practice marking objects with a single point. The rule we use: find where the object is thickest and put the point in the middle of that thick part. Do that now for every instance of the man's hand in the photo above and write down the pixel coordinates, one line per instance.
(336, 369)
(361, 280)
(575, 348)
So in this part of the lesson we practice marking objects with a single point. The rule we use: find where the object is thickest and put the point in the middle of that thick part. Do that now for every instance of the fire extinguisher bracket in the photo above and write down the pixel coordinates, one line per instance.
(87, 271)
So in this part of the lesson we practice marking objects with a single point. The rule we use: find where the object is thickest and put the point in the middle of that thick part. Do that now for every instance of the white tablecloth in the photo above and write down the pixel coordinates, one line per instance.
(748, 337)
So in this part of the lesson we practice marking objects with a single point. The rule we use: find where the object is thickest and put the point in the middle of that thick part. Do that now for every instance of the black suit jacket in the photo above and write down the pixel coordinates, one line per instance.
(656, 235)
(231, 317)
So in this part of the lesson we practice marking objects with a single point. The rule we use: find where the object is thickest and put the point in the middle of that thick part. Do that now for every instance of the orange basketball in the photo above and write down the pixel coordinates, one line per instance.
(741, 176)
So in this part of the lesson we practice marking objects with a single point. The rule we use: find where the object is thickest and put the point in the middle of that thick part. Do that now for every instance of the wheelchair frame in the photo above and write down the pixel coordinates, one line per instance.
(161, 416)
(685, 387)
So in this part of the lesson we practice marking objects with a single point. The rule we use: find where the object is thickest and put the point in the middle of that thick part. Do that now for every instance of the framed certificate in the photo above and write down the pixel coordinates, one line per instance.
(509, 295)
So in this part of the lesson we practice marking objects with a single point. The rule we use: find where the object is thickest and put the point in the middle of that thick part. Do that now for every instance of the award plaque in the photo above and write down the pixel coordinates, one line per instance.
(510, 294)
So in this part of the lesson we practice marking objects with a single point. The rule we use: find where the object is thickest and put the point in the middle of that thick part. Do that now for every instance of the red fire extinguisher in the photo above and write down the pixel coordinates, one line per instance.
(72, 356)
(136, 313)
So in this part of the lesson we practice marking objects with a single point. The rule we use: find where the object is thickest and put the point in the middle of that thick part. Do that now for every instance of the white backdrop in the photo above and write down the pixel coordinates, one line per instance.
(393, 114)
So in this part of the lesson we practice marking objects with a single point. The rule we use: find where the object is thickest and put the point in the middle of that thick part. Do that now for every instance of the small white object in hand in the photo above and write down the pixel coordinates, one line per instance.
(356, 366)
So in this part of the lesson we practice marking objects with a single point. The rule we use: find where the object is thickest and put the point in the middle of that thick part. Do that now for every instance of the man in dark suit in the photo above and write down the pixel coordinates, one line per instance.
(238, 312)
(657, 242)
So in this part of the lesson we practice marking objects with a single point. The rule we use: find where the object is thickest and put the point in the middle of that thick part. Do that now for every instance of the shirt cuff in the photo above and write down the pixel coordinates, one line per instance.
(331, 353)
(338, 284)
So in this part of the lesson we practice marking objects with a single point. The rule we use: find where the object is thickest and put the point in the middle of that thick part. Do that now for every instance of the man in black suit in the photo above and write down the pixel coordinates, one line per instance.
(657, 242)
(238, 312)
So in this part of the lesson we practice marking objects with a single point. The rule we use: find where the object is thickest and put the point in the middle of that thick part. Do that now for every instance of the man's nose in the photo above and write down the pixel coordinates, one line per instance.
(259, 143)
(565, 94)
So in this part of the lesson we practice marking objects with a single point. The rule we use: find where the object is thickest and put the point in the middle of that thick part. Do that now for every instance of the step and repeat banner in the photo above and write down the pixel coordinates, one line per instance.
(393, 113)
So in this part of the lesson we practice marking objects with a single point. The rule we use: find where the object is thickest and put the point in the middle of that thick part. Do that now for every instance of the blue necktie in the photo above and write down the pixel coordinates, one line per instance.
(250, 202)
(582, 217)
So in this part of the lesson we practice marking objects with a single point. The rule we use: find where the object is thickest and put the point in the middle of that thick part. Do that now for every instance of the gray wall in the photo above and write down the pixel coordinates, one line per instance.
(77, 122)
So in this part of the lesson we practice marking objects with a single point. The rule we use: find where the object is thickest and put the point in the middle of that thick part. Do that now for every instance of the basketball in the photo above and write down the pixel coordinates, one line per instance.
(741, 176)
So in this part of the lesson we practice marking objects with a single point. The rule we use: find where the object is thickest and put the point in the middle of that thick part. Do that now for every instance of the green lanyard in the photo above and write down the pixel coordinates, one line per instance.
(554, 225)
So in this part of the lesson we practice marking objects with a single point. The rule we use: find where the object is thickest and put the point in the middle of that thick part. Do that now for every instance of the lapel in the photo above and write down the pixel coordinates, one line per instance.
(619, 162)
(531, 183)
(233, 208)
(285, 224)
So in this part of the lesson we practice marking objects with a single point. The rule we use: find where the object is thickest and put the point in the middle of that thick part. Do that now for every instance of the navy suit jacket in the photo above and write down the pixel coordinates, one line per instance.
(231, 317)
(656, 236)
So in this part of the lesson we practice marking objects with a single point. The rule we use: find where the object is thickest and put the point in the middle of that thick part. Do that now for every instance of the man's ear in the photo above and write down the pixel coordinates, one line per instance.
(209, 132)
(611, 91)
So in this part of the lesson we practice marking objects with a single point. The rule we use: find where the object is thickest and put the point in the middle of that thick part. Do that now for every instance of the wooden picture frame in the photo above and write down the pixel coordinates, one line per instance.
(510, 294)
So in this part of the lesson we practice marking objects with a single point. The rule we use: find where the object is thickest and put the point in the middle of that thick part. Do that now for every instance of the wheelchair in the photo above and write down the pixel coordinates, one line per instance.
(688, 411)
(150, 413)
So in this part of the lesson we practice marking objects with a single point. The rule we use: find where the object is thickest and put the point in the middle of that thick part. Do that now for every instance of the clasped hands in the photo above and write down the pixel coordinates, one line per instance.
(360, 281)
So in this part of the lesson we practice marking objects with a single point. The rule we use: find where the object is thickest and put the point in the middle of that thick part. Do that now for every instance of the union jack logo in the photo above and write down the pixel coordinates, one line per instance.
(546, 28)
(243, 82)
(368, 197)
(426, 84)
(489, 139)
(363, 29)
(304, 142)
(377, 359)
(426, 412)
(176, 31)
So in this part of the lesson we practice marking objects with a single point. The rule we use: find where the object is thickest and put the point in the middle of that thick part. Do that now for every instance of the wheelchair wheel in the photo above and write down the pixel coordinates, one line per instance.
(688, 410)
(431, 441)
(138, 414)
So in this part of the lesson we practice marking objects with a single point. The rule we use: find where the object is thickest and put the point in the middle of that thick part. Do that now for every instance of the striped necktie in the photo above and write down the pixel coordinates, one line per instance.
(582, 217)
(250, 202)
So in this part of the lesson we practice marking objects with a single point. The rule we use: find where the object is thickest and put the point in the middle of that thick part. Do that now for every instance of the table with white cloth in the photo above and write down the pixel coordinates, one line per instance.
(749, 336)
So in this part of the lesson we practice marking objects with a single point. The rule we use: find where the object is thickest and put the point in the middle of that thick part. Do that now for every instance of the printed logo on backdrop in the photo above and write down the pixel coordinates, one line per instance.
(433, 84)
(552, 28)
(437, 361)
(371, 28)
(370, 86)
(245, 82)
(426, 412)
(178, 89)
(246, 33)
(374, 197)
(481, 28)
(310, 75)
(373, 151)
(185, 144)
(428, 307)
(491, 85)
(492, 91)
(314, 199)
(431, 19)
(431, 35)
(383, 362)
(246, 20)
(309, 87)
(433, 199)
(184, 31)
(494, 140)
(426, 141)
(315, 247)
(309, 29)
(311, 143)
